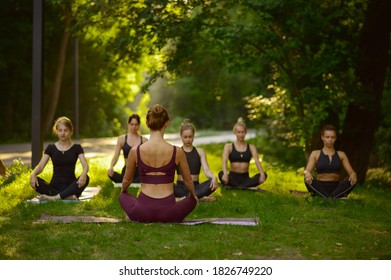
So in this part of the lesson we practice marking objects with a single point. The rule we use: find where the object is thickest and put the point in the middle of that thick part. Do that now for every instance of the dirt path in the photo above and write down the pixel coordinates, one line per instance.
(97, 147)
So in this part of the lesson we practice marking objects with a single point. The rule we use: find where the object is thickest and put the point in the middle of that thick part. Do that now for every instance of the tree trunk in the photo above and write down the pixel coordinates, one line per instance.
(362, 118)
(55, 94)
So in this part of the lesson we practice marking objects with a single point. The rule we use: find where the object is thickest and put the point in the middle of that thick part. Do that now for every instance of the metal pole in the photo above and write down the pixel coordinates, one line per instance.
(36, 138)
(76, 87)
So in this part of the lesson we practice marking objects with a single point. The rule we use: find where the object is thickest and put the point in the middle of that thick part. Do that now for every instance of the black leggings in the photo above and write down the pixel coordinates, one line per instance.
(117, 178)
(241, 180)
(72, 189)
(333, 189)
(201, 190)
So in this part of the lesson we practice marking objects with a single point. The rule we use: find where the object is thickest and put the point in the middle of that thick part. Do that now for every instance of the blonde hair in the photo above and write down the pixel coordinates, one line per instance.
(186, 125)
(157, 116)
(241, 123)
(64, 121)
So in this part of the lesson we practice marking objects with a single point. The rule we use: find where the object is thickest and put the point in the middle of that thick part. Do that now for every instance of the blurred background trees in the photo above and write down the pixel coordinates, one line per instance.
(288, 67)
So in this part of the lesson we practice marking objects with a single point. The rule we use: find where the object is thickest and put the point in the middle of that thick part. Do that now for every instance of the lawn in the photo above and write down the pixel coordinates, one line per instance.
(291, 227)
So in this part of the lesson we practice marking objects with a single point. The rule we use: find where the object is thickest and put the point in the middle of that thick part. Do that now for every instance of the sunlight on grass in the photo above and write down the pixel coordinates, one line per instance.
(359, 228)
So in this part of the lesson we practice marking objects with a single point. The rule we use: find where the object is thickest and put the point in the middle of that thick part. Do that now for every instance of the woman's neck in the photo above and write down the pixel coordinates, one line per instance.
(133, 134)
(65, 142)
(156, 135)
(188, 148)
(328, 149)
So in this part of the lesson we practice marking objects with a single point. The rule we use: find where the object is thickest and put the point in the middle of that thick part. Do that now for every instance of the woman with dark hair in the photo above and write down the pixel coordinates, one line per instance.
(64, 155)
(328, 164)
(125, 142)
(157, 161)
(239, 155)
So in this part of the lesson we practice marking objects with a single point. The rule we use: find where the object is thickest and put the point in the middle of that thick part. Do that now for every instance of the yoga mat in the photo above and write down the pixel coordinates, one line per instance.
(45, 218)
(87, 195)
(223, 221)
(254, 189)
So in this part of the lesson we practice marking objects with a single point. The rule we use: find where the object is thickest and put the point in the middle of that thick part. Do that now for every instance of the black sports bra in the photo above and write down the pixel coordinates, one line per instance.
(236, 156)
(324, 165)
(126, 148)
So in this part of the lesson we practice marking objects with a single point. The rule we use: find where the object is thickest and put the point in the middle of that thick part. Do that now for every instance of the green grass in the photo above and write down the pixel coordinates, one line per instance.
(290, 227)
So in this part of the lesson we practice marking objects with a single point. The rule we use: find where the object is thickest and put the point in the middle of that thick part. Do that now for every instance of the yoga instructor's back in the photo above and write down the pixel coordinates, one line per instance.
(157, 161)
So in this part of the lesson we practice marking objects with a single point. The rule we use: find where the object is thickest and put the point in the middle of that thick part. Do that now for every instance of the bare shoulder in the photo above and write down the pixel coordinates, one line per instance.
(121, 139)
(252, 147)
(315, 154)
(341, 154)
(200, 151)
(228, 146)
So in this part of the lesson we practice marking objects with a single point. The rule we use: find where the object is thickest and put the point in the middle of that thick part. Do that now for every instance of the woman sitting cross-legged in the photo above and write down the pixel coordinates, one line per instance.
(64, 155)
(328, 164)
(196, 158)
(239, 154)
(157, 161)
(125, 142)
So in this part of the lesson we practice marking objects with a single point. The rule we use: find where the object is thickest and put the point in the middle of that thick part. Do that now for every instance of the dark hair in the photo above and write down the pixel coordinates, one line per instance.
(64, 121)
(328, 127)
(186, 125)
(157, 116)
(134, 116)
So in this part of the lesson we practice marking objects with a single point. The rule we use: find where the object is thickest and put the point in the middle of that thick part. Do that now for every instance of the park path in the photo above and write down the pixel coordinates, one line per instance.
(99, 147)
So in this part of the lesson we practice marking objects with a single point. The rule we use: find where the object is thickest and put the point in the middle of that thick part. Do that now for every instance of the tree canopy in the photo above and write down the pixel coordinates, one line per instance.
(287, 66)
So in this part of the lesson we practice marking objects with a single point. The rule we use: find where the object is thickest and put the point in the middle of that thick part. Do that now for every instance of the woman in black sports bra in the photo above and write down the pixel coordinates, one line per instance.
(126, 142)
(196, 158)
(239, 154)
(328, 164)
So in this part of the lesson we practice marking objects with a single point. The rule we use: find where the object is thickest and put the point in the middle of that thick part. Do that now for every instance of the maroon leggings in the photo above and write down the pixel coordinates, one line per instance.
(147, 209)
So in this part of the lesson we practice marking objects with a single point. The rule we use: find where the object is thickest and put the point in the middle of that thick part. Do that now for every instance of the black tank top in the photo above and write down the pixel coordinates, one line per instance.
(194, 161)
(236, 156)
(126, 148)
(324, 165)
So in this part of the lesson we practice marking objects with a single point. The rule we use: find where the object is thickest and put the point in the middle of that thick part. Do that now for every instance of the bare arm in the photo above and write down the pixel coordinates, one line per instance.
(37, 170)
(348, 168)
(185, 171)
(254, 154)
(118, 147)
(226, 151)
(205, 167)
(308, 176)
(83, 177)
(130, 169)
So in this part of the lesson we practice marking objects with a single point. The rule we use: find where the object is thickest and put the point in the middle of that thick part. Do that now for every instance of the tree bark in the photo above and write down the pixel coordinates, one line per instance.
(362, 118)
(55, 94)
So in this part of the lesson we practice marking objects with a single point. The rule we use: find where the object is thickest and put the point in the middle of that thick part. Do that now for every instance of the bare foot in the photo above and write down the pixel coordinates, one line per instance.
(71, 197)
(209, 198)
